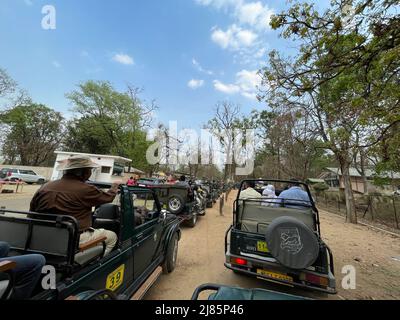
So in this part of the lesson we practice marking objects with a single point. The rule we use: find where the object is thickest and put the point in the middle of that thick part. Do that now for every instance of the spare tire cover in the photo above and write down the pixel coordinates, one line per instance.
(292, 243)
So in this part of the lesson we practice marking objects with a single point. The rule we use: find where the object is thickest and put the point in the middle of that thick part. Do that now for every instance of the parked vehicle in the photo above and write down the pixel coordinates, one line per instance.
(143, 250)
(149, 182)
(180, 200)
(229, 293)
(280, 241)
(28, 176)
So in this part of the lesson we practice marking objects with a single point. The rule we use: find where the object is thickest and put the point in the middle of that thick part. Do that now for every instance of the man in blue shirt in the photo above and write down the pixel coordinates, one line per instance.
(294, 197)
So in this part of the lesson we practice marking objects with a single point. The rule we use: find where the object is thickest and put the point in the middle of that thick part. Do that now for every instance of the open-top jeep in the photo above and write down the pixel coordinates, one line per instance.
(147, 245)
(279, 240)
(230, 293)
(179, 200)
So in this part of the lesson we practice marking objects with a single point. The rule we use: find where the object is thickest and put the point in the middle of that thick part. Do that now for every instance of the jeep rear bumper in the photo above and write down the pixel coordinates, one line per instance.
(254, 264)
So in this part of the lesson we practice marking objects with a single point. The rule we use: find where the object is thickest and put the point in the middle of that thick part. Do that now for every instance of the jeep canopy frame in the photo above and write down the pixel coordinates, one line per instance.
(278, 202)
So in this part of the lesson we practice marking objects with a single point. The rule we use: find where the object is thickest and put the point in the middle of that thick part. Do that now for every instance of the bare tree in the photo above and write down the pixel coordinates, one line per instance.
(223, 125)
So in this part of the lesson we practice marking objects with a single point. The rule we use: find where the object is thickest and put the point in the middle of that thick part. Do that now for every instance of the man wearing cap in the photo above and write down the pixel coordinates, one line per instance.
(72, 196)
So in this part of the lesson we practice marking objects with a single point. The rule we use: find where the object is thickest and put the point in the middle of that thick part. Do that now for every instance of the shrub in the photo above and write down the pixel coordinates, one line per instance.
(320, 187)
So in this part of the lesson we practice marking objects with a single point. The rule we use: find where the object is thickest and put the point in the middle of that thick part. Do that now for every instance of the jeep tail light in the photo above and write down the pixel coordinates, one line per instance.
(239, 261)
(321, 281)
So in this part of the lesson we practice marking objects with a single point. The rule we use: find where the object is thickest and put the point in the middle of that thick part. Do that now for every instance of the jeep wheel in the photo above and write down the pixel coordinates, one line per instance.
(171, 255)
(41, 181)
(192, 221)
(175, 204)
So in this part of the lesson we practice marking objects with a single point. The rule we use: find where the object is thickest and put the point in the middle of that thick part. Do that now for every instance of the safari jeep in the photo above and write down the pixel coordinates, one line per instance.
(280, 241)
(147, 245)
(230, 293)
(177, 200)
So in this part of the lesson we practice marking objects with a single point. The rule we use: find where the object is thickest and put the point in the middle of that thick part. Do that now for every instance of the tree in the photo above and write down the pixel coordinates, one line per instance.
(223, 126)
(343, 78)
(7, 84)
(32, 134)
(287, 149)
(108, 121)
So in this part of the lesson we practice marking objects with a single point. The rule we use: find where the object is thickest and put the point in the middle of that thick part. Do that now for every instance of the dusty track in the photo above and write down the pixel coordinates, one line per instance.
(201, 260)
(201, 256)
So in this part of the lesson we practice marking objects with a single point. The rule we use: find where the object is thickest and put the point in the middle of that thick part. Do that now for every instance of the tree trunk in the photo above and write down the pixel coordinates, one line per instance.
(351, 215)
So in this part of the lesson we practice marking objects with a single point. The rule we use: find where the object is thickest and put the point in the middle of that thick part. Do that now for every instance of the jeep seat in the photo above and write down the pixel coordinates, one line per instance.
(255, 218)
(107, 216)
(56, 238)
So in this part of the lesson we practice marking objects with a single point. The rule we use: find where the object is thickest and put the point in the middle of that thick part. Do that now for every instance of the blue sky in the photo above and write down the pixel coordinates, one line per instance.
(185, 54)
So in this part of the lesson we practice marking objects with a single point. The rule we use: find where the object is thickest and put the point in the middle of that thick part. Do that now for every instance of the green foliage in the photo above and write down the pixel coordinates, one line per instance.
(320, 187)
(32, 134)
(107, 122)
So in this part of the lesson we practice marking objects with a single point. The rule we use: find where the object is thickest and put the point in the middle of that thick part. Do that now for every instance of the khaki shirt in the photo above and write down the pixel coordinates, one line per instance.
(70, 196)
(249, 193)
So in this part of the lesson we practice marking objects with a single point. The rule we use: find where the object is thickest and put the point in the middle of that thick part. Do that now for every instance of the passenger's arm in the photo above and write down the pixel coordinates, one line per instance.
(94, 197)
(7, 265)
(91, 244)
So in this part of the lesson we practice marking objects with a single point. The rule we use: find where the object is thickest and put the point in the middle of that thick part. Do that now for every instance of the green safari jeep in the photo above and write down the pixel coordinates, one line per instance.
(147, 245)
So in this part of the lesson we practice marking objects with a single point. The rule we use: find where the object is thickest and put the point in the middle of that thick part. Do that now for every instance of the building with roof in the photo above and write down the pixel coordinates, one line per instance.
(334, 178)
(111, 168)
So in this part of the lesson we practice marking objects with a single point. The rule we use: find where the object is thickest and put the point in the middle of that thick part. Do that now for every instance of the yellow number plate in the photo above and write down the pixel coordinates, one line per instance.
(262, 246)
(274, 275)
(115, 278)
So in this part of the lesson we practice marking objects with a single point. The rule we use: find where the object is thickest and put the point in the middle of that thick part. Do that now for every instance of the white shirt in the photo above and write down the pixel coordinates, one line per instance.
(249, 193)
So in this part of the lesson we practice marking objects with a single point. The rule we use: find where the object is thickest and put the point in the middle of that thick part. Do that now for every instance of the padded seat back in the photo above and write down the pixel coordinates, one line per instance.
(55, 237)
(107, 216)
(107, 211)
(256, 218)
(15, 233)
(50, 240)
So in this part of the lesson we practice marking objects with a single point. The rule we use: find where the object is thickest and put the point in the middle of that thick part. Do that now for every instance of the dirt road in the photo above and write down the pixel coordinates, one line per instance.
(374, 254)
(201, 260)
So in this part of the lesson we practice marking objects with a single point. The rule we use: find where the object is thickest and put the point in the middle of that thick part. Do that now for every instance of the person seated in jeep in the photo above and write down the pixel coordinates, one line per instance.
(26, 274)
(249, 191)
(294, 196)
(72, 196)
(182, 182)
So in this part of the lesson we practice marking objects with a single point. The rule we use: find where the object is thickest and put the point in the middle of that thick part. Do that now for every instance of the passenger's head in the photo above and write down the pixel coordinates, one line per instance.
(182, 178)
(294, 183)
(81, 173)
(79, 166)
(270, 187)
(249, 184)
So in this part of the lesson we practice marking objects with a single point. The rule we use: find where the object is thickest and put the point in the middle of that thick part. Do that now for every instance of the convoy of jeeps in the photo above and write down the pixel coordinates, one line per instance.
(278, 241)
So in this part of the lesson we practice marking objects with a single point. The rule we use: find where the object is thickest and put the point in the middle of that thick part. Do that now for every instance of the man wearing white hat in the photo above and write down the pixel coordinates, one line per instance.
(72, 196)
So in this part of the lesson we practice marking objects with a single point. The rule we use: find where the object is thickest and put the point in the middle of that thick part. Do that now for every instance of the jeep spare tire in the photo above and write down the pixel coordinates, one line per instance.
(292, 243)
(175, 204)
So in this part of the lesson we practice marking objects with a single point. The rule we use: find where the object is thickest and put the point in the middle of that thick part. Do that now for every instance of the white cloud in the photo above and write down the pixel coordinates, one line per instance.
(219, 4)
(123, 59)
(247, 83)
(246, 36)
(254, 14)
(56, 64)
(233, 38)
(200, 68)
(195, 84)
(226, 88)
